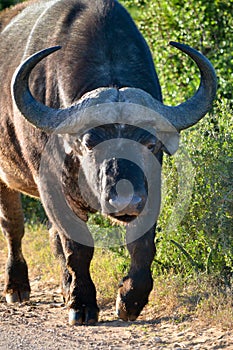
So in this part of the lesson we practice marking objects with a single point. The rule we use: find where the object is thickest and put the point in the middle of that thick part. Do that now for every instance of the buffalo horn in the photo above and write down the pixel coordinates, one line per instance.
(36, 113)
(191, 111)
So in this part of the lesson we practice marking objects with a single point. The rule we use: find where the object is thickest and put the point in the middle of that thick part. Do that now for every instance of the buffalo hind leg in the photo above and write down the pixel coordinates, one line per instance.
(17, 288)
(135, 288)
(78, 288)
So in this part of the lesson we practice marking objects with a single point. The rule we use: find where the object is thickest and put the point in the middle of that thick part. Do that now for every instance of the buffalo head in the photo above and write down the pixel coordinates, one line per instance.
(108, 123)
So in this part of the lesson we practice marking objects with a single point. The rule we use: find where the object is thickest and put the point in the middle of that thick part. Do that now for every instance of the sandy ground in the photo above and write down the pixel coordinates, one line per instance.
(43, 324)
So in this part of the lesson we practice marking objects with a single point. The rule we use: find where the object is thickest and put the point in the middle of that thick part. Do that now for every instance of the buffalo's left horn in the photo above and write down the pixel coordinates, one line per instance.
(190, 112)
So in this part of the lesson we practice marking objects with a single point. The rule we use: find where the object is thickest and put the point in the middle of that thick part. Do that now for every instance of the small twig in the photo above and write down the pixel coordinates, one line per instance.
(188, 256)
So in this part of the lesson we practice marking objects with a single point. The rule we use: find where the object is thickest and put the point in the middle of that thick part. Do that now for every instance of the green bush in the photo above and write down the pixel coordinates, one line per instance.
(8, 3)
(33, 211)
(206, 231)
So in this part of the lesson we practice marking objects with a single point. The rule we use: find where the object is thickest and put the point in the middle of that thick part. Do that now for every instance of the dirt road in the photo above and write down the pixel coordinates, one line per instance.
(42, 324)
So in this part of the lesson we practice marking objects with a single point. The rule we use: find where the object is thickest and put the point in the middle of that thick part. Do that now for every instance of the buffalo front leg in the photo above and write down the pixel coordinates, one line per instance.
(17, 288)
(135, 288)
(78, 288)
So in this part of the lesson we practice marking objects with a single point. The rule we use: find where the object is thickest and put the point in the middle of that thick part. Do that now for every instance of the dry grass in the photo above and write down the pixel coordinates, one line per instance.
(217, 310)
(199, 297)
(41, 262)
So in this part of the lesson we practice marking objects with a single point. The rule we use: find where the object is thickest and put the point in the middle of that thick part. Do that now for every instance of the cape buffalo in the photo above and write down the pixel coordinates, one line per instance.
(104, 63)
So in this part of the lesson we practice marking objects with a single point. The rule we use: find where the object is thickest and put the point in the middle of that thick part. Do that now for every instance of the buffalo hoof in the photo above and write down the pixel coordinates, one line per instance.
(122, 312)
(85, 315)
(17, 297)
(133, 296)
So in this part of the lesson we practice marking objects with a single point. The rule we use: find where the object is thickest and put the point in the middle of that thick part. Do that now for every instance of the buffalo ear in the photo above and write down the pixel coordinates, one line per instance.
(67, 147)
(165, 150)
(170, 141)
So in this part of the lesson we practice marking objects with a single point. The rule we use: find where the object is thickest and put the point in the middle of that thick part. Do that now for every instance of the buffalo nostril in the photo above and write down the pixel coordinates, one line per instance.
(120, 203)
(136, 201)
(128, 204)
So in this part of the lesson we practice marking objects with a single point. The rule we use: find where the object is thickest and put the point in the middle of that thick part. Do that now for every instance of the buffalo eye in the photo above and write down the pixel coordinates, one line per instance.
(151, 147)
(154, 147)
